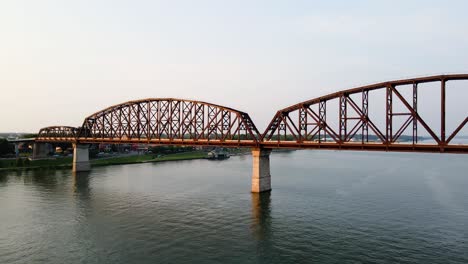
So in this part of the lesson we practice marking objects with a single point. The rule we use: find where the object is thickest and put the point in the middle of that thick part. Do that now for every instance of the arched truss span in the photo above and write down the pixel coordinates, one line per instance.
(57, 133)
(170, 121)
(308, 124)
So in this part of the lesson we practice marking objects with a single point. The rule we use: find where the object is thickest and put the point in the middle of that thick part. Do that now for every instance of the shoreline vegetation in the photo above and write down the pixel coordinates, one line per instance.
(66, 162)
(23, 163)
(147, 158)
(118, 157)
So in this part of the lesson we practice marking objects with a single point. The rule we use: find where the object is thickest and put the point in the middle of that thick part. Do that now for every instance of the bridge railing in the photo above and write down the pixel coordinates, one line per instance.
(57, 133)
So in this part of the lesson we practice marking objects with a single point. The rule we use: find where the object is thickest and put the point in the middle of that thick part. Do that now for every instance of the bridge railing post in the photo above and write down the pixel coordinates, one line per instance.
(261, 177)
(81, 157)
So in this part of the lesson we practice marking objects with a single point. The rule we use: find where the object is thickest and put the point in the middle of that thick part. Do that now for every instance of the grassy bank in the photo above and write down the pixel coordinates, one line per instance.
(148, 158)
(121, 160)
(183, 156)
(35, 164)
(67, 162)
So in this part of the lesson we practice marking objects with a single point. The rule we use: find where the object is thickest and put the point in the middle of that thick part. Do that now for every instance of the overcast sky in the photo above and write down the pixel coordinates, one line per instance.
(63, 60)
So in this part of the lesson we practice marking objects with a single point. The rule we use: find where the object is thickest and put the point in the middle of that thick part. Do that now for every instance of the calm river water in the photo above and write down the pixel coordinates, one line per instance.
(325, 207)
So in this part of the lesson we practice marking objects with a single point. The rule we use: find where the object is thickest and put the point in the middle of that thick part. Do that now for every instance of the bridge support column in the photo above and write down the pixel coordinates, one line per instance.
(81, 158)
(261, 177)
(40, 151)
(17, 150)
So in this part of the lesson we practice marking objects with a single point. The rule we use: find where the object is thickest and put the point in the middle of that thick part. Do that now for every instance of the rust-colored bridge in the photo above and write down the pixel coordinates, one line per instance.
(350, 126)
(307, 125)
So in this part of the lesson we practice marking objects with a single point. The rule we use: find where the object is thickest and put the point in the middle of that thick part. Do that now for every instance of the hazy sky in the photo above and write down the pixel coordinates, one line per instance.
(63, 60)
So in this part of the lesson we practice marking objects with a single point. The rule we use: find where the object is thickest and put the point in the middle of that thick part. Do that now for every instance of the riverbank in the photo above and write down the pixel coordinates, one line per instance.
(66, 162)
(149, 158)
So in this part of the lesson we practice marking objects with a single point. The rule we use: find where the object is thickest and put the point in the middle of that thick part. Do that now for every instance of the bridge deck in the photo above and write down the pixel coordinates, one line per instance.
(400, 147)
(369, 146)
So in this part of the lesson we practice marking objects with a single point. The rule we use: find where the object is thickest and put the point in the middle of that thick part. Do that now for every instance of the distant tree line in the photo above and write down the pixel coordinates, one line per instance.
(6, 147)
(170, 149)
(29, 136)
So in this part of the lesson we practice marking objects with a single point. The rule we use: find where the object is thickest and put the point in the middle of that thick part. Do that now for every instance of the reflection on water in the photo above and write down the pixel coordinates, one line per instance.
(3, 176)
(398, 208)
(81, 183)
(261, 226)
(261, 215)
(44, 178)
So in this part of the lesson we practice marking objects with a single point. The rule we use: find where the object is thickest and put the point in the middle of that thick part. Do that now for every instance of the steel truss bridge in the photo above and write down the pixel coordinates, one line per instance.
(345, 120)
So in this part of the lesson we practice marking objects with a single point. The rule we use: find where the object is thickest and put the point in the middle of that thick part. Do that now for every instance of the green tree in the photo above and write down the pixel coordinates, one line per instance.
(29, 136)
(6, 148)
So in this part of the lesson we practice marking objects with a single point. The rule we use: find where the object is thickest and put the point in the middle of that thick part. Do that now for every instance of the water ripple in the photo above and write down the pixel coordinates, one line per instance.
(203, 212)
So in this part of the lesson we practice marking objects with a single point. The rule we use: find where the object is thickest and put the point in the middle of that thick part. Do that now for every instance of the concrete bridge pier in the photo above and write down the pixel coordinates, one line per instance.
(81, 158)
(261, 177)
(40, 151)
(17, 150)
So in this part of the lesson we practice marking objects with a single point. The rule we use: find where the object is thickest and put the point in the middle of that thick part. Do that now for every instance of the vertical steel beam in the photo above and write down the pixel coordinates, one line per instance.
(148, 120)
(303, 124)
(389, 115)
(322, 120)
(175, 119)
(129, 121)
(138, 123)
(121, 129)
(169, 119)
(364, 118)
(442, 112)
(111, 124)
(121, 120)
(103, 126)
(199, 120)
(158, 119)
(343, 117)
(415, 108)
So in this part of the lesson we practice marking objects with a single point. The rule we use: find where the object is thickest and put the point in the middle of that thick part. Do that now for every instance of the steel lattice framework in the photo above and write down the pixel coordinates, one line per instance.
(305, 125)
(167, 121)
(58, 133)
(170, 121)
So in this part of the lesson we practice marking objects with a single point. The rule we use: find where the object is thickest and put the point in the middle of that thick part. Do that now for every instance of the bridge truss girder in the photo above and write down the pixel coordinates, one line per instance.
(312, 129)
(165, 122)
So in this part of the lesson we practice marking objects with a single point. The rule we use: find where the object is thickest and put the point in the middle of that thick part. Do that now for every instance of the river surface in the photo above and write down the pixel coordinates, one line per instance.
(325, 207)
